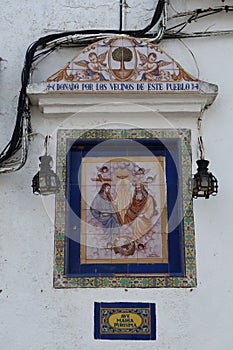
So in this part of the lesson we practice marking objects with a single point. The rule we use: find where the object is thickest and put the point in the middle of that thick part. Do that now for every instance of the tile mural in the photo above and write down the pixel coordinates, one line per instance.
(124, 214)
(122, 64)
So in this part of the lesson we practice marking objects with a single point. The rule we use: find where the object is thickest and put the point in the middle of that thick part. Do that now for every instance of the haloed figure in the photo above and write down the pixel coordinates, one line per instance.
(141, 211)
(103, 210)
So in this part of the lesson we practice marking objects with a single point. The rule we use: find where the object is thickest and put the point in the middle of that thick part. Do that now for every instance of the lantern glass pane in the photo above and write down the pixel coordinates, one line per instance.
(42, 181)
(205, 181)
(53, 181)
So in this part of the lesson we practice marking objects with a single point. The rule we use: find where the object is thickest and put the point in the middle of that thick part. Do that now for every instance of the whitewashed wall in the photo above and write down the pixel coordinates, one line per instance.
(34, 316)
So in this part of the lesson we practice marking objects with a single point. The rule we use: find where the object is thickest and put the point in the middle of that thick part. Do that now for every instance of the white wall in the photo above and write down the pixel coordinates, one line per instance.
(35, 316)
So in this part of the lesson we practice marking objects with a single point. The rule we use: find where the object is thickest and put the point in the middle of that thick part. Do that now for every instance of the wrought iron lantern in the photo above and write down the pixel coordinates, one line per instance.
(45, 182)
(204, 183)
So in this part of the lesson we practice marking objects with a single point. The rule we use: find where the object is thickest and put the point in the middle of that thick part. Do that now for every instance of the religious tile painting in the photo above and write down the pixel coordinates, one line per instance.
(124, 213)
(123, 210)
(122, 64)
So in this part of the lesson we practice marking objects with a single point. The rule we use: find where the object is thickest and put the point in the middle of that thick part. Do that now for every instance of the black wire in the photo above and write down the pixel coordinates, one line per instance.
(176, 35)
(50, 50)
(207, 12)
(155, 19)
(15, 143)
(121, 5)
(196, 16)
(185, 25)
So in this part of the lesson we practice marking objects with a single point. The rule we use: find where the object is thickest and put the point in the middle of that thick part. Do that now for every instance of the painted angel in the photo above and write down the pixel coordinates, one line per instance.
(140, 171)
(151, 66)
(94, 65)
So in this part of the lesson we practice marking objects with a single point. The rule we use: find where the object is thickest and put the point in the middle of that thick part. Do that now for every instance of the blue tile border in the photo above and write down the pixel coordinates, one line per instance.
(125, 321)
(147, 280)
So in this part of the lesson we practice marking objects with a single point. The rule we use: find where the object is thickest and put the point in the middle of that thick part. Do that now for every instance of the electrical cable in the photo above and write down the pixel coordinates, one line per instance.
(193, 56)
(225, 8)
(121, 5)
(22, 109)
(197, 14)
(175, 35)
(50, 42)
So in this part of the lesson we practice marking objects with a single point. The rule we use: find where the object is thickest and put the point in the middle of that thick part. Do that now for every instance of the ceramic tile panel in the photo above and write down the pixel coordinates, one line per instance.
(119, 64)
(125, 321)
(127, 221)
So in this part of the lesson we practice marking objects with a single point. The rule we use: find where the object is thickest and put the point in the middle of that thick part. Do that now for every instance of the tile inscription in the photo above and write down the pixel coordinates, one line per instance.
(132, 321)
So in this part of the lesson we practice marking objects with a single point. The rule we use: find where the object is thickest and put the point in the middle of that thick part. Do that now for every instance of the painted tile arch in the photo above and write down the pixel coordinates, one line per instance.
(122, 64)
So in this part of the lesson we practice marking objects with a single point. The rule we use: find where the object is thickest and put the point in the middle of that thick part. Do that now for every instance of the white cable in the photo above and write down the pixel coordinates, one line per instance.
(192, 54)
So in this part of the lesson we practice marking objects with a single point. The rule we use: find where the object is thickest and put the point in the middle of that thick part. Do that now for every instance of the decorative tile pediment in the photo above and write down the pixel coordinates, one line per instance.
(122, 64)
(123, 69)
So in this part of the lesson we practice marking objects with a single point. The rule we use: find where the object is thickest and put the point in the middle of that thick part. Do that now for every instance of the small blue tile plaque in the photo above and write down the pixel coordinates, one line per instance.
(128, 321)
